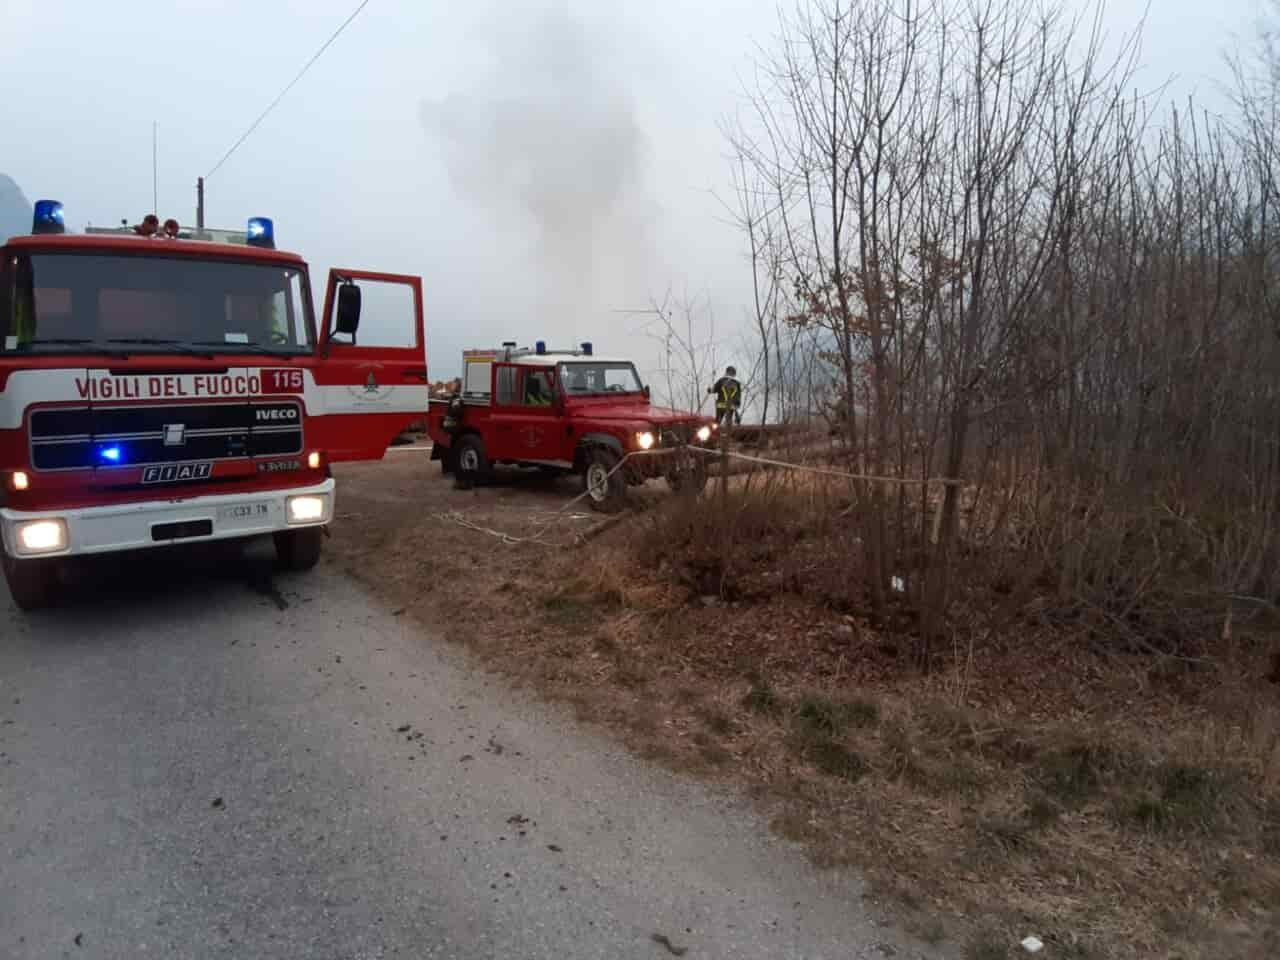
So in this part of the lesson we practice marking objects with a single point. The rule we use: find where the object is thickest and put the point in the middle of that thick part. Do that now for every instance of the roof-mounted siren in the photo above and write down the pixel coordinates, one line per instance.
(540, 347)
(586, 348)
(261, 233)
(507, 347)
(47, 217)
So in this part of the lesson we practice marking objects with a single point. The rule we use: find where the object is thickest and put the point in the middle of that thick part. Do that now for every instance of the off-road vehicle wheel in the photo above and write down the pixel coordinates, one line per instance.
(605, 487)
(31, 583)
(299, 549)
(470, 461)
(689, 476)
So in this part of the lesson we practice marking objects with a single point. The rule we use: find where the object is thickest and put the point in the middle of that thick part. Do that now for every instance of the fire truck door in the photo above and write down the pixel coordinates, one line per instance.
(371, 364)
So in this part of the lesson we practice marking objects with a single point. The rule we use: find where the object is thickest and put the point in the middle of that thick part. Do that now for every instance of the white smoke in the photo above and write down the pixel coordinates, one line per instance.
(546, 141)
(15, 209)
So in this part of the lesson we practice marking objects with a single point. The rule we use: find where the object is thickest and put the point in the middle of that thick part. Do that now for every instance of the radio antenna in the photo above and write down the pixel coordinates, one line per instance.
(155, 180)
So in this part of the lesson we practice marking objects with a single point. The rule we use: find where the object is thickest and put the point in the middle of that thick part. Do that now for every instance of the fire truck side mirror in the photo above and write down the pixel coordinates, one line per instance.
(348, 317)
(646, 391)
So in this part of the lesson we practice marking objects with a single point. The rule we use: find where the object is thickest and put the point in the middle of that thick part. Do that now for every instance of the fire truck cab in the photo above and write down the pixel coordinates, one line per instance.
(567, 411)
(158, 387)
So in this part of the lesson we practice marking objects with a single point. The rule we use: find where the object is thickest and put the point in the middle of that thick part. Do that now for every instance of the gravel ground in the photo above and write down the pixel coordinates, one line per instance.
(198, 759)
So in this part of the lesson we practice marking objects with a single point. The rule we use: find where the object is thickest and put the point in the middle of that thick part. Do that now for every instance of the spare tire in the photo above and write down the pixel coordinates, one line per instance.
(689, 475)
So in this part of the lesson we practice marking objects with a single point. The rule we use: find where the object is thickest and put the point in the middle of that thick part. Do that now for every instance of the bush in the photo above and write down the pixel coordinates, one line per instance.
(829, 717)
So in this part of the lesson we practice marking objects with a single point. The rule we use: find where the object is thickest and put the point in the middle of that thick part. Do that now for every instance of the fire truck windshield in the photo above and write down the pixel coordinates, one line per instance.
(586, 378)
(72, 302)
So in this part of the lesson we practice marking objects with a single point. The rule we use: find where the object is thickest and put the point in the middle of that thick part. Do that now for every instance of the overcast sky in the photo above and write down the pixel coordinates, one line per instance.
(541, 165)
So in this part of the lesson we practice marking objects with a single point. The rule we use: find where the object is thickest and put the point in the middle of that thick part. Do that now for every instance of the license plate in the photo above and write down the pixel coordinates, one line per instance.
(279, 466)
(244, 511)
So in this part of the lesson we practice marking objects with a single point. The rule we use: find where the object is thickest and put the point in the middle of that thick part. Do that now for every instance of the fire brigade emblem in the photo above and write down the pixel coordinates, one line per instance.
(371, 391)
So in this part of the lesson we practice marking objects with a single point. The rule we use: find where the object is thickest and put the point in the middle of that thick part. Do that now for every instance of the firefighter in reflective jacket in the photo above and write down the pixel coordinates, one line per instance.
(728, 392)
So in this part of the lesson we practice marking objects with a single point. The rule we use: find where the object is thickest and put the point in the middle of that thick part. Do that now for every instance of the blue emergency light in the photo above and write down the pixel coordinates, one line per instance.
(109, 454)
(586, 349)
(48, 217)
(261, 233)
(540, 347)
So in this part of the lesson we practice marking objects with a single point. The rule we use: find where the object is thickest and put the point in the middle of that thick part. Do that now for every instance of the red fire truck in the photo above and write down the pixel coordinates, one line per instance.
(568, 411)
(158, 388)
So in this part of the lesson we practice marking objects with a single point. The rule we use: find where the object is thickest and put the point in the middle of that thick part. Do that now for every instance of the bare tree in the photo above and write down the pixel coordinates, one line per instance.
(684, 327)
(1006, 268)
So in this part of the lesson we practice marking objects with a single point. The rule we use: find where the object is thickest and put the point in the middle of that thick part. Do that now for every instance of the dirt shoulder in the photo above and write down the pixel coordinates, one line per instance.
(1110, 806)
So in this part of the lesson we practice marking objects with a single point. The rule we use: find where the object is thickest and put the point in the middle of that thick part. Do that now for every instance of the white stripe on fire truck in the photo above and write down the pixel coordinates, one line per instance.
(28, 388)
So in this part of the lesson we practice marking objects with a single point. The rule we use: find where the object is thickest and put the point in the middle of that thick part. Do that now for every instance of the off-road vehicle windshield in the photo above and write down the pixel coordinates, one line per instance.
(586, 378)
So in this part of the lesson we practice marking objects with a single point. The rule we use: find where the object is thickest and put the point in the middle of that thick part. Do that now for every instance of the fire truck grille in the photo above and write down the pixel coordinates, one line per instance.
(76, 438)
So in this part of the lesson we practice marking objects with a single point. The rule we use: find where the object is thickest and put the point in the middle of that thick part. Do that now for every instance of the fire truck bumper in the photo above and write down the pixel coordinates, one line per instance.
(158, 523)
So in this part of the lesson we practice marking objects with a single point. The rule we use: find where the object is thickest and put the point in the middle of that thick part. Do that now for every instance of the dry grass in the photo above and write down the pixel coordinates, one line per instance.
(1112, 808)
(1098, 826)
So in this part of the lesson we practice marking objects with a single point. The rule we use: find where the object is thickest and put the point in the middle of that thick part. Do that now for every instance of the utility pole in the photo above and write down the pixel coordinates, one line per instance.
(200, 204)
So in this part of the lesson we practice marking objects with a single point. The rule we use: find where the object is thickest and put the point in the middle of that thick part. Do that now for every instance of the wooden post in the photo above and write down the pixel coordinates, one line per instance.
(724, 464)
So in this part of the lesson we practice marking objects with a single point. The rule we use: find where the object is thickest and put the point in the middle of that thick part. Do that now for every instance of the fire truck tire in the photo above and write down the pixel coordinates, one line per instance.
(31, 582)
(605, 487)
(470, 461)
(299, 549)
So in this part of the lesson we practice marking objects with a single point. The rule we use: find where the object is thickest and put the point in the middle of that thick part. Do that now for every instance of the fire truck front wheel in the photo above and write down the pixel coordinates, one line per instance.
(606, 487)
(299, 549)
(31, 582)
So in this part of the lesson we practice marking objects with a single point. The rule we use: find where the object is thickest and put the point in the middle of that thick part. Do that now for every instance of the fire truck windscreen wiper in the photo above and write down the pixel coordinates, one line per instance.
(94, 346)
(177, 346)
(252, 346)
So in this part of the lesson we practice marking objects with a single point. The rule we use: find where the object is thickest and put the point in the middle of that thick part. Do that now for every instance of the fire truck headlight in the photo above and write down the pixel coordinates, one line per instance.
(644, 440)
(704, 434)
(20, 480)
(42, 536)
(313, 460)
(307, 508)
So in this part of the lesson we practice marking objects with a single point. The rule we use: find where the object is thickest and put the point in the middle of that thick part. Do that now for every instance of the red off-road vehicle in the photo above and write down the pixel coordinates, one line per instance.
(566, 412)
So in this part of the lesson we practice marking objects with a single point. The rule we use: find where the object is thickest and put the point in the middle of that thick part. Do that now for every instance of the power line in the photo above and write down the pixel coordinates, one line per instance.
(271, 106)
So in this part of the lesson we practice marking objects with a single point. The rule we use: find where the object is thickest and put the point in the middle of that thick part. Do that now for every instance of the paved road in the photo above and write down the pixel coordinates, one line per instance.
(198, 764)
